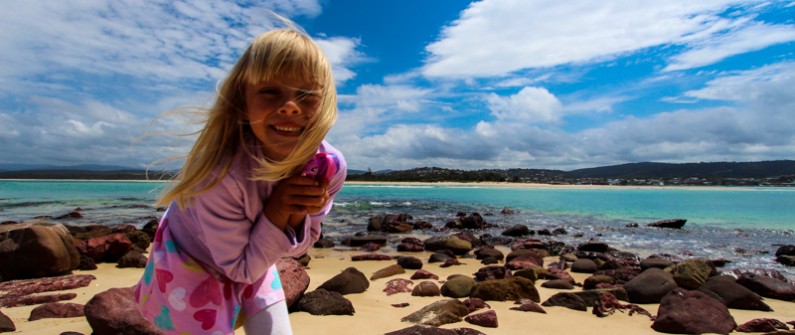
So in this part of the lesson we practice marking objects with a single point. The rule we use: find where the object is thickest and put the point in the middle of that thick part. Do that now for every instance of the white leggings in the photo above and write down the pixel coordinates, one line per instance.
(273, 320)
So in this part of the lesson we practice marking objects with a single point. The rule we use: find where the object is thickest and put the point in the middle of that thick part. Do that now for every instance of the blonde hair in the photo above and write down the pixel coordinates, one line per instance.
(273, 55)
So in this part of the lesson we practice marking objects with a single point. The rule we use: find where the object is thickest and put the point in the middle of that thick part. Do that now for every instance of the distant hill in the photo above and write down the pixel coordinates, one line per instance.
(647, 170)
(80, 167)
(764, 169)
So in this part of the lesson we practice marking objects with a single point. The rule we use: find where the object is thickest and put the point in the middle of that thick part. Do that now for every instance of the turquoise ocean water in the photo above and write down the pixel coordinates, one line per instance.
(743, 225)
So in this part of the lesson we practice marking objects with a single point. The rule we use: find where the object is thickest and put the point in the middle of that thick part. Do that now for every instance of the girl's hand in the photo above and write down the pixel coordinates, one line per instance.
(293, 198)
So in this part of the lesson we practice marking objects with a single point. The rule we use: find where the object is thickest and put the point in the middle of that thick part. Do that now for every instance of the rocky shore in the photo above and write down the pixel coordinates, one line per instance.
(61, 279)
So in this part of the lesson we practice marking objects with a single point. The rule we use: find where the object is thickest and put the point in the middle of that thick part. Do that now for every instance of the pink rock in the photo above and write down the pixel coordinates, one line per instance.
(485, 319)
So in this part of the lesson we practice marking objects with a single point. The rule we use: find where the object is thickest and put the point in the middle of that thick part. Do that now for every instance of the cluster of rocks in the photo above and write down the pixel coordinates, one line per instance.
(693, 296)
(38, 258)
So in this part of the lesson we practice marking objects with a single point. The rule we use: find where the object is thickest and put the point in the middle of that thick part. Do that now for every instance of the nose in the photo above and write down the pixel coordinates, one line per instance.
(290, 107)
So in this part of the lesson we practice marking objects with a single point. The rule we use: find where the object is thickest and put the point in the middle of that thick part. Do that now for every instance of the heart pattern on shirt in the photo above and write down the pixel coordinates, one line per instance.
(163, 277)
(206, 317)
(206, 292)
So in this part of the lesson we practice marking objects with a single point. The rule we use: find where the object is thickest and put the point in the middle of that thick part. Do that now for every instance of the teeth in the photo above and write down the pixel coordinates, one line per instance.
(289, 129)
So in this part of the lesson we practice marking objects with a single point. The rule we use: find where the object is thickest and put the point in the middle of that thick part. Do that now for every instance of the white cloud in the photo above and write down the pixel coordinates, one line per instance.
(749, 38)
(342, 53)
(495, 38)
(530, 105)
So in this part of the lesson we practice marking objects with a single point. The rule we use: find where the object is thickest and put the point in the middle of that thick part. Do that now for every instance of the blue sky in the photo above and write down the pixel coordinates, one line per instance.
(487, 84)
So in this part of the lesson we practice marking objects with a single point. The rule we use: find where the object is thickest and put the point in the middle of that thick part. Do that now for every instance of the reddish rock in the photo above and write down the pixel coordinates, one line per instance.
(527, 305)
(108, 248)
(132, 259)
(692, 312)
(768, 286)
(474, 304)
(762, 325)
(486, 319)
(294, 279)
(398, 285)
(492, 272)
(114, 312)
(423, 274)
(371, 257)
(57, 310)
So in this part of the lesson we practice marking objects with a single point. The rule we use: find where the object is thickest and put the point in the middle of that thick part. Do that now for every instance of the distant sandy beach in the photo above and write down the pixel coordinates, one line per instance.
(374, 313)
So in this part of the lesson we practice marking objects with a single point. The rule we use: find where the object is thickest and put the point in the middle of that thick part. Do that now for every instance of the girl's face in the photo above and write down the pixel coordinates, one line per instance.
(279, 112)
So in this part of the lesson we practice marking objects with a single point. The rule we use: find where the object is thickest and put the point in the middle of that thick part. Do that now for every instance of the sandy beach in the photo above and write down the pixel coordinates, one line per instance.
(375, 313)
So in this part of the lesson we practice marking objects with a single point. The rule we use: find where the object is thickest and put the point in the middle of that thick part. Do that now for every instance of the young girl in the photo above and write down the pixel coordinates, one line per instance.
(241, 201)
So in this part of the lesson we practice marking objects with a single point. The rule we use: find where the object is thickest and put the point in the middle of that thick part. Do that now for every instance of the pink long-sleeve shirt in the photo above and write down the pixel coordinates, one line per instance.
(225, 227)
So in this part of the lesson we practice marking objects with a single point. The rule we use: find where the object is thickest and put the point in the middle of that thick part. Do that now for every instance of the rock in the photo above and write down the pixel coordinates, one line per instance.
(533, 273)
(441, 256)
(527, 305)
(139, 239)
(424, 274)
(458, 287)
(409, 262)
(452, 243)
(591, 297)
(566, 299)
(489, 252)
(324, 243)
(609, 304)
(593, 247)
(114, 312)
(555, 273)
(387, 272)
(6, 324)
(358, 241)
(655, 262)
(672, 223)
(690, 274)
(426, 289)
(350, 280)
(692, 312)
(762, 325)
(19, 292)
(36, 249)
(492, 272)
(108, 248)
(294, 279)
(438, 313)
(398, 285)
(505, 289)
(370, 257)
(57, 310)
(558, 284)
(474, 304)
(411, 244)
(322, 302)
(132, 259)
(533, 255)
(650, 286)
(733, 295)
(767, 286)
(516, 231)
(595, 281)
(370, 247)
(584, 265)
(486, 319)
(423, 330)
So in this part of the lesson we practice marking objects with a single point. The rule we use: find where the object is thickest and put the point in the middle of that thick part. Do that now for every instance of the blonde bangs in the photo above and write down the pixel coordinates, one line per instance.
(286, 54)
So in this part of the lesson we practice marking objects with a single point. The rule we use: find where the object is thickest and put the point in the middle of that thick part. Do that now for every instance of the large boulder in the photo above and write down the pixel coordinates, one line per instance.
(650, 286)
(692, 312)
(36, 249)
(690, 274)
(734, 295)
(350, 280)
(113, 312)
(768, 286)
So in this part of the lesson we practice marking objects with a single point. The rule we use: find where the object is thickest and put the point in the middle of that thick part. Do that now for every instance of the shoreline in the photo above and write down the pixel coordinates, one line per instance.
(374, 313)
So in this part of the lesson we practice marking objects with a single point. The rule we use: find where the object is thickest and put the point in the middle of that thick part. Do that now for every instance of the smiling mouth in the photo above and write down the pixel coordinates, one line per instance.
(287, 131)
